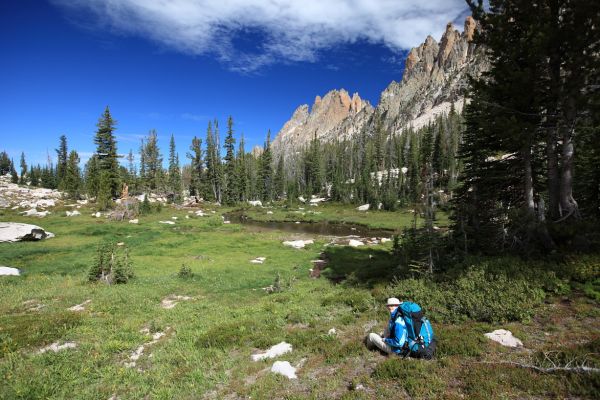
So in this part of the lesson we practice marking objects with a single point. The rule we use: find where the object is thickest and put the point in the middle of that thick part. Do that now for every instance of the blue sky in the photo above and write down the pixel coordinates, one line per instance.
(173, 65)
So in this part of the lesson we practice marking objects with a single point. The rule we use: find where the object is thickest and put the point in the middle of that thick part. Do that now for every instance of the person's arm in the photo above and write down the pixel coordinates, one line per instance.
(400, 334)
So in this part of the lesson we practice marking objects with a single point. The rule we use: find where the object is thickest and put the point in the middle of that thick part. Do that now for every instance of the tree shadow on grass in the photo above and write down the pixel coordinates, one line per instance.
(360, 266)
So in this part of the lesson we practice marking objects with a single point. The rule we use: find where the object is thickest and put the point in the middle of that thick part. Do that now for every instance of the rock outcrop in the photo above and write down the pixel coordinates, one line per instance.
(336, 114)
(14, 232)
(434, 80)
(435, 77)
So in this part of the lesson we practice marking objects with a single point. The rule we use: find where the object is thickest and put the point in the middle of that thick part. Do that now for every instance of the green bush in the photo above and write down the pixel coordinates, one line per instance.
(185, 272)
(110, 265)
(475, 294)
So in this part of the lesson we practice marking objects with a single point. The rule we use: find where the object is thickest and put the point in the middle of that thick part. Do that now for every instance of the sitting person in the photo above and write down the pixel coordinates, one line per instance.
(395, 333)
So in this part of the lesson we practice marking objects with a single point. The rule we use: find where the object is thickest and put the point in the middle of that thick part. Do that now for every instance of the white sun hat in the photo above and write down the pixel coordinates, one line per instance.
(392, 301)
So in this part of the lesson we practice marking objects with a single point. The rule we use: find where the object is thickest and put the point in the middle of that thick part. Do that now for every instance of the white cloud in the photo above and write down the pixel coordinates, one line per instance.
(289, 30)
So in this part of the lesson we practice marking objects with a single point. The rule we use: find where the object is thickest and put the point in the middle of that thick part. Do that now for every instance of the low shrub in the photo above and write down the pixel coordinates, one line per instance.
(185, 272)
(475, 294)
(358, 300)
(111, 265)
(420, 379)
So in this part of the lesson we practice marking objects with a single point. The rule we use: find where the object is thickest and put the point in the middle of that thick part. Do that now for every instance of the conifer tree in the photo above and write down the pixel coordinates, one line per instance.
(92, 177)
(151, 163)
(279, 180)
(5, 163)
(23, 169)
(106, 153)
(174, 171)
(265, 175)
(231, 180)
(242, 172)
(196, 166)
(61, 163)
(14, 177)
(72, 178)
(33, 176)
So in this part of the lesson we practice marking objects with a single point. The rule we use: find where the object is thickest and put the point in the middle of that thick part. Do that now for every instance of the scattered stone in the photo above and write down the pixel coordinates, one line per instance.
(172, 300)
(121, 244)
(175, 218)
(298, 244)
(332, 332)
(73, 213)
(284, 368)
(226, 222)
(137, 353)
(302, 199)
(316, 200)
(385, 240)
(14, 232)
(55, 347)
(97, 214)
(9, 271)
(35, 213)
(134, 221)
(270, 212)
(504, 337)
(255, 203)
(275, 351)
(80, 307)
(355, 243)
(364, 207)
(200, 213)
(167, 222)
(258, 260)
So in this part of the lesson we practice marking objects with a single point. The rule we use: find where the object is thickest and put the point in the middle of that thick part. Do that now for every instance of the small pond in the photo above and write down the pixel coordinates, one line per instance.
(313, 228)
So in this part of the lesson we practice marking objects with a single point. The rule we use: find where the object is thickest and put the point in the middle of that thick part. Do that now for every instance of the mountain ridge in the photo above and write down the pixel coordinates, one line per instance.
(434, 80)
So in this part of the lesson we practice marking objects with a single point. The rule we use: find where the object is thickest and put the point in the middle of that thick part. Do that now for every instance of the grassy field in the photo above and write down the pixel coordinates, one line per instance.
(209, 338)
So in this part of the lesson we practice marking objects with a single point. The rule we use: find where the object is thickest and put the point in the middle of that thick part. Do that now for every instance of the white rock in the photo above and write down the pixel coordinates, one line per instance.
(332, 332)
(302, 199)
(355, 243)
(317, 200)
(269, 212)
(167, 222)
(258, 260)
(55, 347)
(9, 271)
(284, 368)
(364, 207)
(298, 244)
(80, 307)
(172, 300)
(97, 214)
(275, 351)
(187, 217)
(226, 222)
(175, 218)
(504, 337)
(255, 203)
(73, 213)
(200, 213)
(13, 232)
(385, 240)
(134, 221)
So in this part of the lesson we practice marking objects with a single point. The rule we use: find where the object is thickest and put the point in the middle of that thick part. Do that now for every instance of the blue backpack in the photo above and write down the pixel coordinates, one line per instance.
(421, 341)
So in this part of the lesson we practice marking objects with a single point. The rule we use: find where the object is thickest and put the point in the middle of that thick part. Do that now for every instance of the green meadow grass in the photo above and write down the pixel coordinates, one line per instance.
(209, 339)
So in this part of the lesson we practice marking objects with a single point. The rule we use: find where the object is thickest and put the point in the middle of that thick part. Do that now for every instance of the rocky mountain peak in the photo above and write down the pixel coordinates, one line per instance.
(325, 114)
(434, 79)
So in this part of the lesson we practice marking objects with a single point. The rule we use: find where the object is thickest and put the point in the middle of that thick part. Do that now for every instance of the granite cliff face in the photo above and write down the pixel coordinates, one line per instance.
(434, 78)
(326, 116)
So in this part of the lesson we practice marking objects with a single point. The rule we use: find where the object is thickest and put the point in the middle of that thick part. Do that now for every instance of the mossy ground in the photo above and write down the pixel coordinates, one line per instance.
(206, 353)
